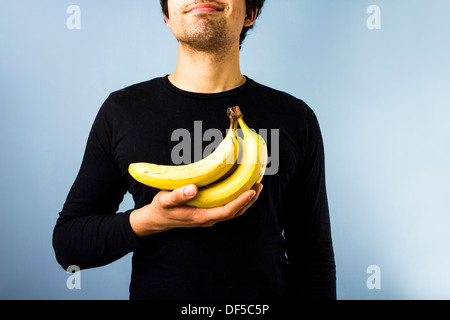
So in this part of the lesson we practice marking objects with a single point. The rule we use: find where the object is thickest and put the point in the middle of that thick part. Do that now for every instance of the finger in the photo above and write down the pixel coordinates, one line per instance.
(178, 196)
(210, 216)
(232, 208)
(257, 188)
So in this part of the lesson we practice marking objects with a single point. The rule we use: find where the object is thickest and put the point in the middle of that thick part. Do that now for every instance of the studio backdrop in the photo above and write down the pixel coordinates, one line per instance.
(376, 73)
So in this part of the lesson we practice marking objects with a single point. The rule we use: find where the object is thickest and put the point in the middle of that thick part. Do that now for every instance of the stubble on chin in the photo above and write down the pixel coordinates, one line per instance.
(206, 34)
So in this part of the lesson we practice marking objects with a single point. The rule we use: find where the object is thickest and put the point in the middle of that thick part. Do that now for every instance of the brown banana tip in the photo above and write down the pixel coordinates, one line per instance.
(234, 112)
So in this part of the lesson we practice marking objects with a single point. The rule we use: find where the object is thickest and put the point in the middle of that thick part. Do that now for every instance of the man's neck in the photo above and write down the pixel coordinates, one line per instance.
(206, 72)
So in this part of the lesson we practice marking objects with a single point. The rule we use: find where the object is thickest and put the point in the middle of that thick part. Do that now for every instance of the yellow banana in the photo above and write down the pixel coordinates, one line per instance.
(238, 161)
(249, 171)
(200, 173)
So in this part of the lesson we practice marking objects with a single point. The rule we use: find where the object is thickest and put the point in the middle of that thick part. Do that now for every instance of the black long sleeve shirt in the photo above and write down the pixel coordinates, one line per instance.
(280, 248)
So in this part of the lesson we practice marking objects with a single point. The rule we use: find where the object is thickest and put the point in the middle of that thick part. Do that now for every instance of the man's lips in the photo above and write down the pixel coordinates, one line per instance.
(204, 7)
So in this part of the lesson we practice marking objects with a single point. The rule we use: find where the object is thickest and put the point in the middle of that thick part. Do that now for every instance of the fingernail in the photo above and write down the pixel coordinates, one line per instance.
(190, 190)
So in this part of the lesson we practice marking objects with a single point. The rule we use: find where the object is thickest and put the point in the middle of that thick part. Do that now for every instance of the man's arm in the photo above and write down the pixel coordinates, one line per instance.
(311, 265)
(88, 232)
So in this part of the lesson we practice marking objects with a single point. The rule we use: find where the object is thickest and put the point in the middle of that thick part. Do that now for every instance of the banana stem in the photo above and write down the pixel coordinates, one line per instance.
(243, 125)
(234, 113)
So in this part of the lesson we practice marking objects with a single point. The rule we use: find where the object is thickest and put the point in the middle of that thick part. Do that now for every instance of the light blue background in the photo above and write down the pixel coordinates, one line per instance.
(382, 98)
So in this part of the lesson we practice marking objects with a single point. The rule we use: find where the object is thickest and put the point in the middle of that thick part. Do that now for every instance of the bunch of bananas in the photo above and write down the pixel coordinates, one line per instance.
(231, 169)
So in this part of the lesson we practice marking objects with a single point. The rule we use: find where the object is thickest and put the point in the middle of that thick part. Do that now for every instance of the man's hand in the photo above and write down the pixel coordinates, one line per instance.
(168, 211)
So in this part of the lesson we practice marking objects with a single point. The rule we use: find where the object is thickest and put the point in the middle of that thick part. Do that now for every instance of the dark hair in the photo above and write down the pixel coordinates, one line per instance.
(252, 5)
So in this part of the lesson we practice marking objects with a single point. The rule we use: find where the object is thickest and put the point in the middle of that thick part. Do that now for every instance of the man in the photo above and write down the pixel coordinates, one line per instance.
(267, 244)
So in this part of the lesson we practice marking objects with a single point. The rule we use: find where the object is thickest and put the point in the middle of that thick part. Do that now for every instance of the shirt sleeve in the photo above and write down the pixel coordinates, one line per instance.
(311, 264)
(89, 232)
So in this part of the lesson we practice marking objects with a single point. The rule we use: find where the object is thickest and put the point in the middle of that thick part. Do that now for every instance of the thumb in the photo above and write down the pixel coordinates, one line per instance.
(179, 196)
